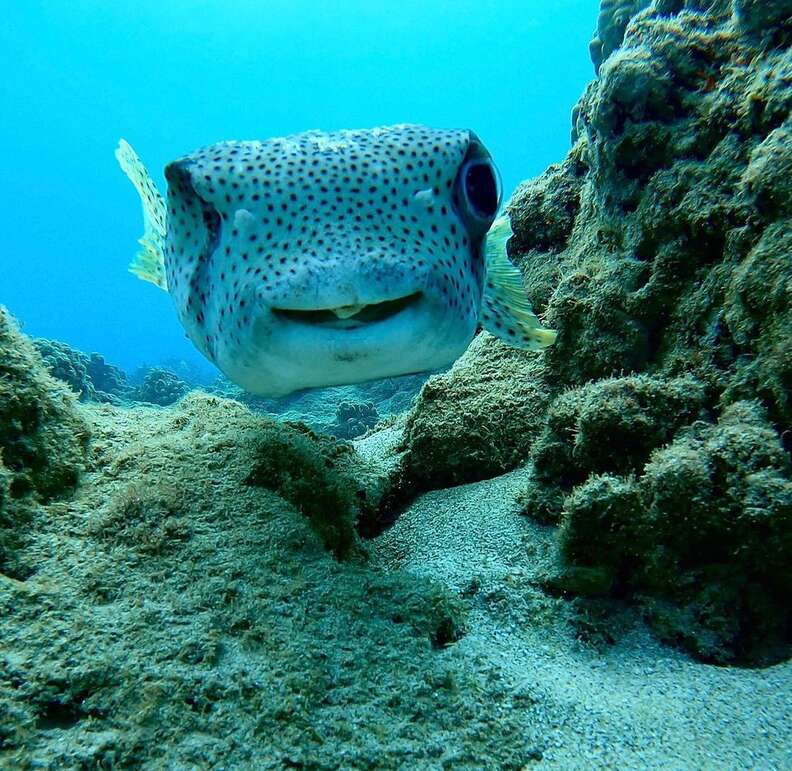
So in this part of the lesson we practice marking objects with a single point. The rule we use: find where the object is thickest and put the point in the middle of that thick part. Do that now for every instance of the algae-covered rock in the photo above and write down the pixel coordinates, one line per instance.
(544, 210)
(10, 523)
(678, 258)
(702, 536)
(5, 488)
(678, 267)
(610, 426)
(766, 18)
(476, 421)
(307, 471)
(42, 439)
(186, 612)
(686, 183)
(613, 18)
(345, 412)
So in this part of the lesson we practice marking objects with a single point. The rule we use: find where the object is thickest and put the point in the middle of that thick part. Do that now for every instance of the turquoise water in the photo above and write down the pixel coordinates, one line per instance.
(172, 76)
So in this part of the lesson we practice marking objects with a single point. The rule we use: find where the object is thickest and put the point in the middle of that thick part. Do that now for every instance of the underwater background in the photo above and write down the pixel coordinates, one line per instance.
(172, 77)
(571, 558)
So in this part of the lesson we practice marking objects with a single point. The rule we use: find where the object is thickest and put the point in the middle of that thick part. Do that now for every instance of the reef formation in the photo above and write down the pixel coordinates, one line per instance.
(659, 249)
(206, 585)
(345, 412)
(88, 375)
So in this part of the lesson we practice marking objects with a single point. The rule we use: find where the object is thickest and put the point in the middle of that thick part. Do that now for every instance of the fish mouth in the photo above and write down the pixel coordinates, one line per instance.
(349, 316)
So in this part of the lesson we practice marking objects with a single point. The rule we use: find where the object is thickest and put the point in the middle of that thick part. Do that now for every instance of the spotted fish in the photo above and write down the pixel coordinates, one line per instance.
(328, 258)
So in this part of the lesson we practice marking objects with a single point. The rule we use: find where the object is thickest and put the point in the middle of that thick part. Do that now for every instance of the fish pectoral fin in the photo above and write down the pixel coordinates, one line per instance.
(506, 311)
(149, 263)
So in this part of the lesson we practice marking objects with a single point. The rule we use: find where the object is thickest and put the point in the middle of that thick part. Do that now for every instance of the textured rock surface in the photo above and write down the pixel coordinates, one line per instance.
(184, 612)
(42, 439)
(608, 426)
(660, 251)
(612, 22)
(474, 422)
(678, 266)
(703, 536)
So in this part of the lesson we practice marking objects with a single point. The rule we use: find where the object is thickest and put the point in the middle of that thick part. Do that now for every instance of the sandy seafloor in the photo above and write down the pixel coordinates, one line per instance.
(635, 704)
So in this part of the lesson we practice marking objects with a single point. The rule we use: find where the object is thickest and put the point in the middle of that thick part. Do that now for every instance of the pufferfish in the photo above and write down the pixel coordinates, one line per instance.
(324, 259)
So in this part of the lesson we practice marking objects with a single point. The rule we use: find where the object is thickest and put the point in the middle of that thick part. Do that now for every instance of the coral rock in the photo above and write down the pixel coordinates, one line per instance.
(42, 439)
(160, 386)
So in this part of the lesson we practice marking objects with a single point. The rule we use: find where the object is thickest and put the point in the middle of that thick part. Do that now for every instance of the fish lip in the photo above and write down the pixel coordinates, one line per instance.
(370, 313)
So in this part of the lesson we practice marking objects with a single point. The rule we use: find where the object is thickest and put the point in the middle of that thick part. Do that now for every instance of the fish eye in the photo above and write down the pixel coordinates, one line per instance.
(477, 191)
(481, 188)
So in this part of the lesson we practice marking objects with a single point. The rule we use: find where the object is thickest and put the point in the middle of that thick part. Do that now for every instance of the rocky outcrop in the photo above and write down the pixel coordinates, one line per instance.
(42, 440)
(659, 250)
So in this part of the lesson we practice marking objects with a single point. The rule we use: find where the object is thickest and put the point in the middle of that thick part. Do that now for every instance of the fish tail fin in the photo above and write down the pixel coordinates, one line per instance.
(506, 311)
(149, 262)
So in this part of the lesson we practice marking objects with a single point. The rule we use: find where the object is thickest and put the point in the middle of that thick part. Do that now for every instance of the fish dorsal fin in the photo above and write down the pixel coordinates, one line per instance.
(149, 262)
(505, 309)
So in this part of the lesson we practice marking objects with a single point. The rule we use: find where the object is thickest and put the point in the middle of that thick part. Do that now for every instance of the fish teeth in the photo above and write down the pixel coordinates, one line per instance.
(346, 311)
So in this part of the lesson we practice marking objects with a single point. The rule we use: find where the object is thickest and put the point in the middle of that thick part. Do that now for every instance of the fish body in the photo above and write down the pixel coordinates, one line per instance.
(330, 258)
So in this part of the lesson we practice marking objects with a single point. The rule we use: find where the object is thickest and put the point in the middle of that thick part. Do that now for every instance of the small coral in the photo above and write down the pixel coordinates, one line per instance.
(108, 380)
(160, 386)
(89, 376)
(768, 176)
(353, 419)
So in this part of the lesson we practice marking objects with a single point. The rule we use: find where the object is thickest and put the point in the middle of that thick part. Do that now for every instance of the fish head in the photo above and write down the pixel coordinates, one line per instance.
(324, 259)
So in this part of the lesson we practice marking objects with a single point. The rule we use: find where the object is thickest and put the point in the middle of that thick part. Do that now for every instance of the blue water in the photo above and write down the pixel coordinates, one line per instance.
(172, 75)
